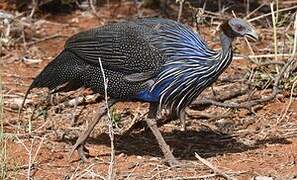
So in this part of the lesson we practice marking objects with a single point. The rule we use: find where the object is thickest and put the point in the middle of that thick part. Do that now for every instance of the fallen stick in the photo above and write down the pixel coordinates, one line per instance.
(213, 168)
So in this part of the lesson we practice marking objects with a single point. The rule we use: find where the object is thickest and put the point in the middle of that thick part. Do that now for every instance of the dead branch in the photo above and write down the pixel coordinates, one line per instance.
(34, 7)
(110, 127)
(250, 104)
(215, 169)
(181, 2)
(23, 167)
(46, 39)
(201, 114)
(93, 9)
(227, 96)
(269, 14)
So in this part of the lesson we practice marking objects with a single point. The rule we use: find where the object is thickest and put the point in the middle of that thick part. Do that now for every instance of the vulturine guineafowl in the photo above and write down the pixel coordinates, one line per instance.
(154, 60)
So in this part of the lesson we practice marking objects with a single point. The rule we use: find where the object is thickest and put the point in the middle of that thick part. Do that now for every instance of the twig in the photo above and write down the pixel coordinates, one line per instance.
(93, 8)
(215, 169)
(263, 56)
(29, 151)
(75, 171)
(295, 79)
(289, 104)
(295, 36)
(270, 63)
(251, 50)
(255, 10)
(274, 30)
(38, 148)
(277, 8)
(45, 39)
(26, 135)
(34, 6)
(160, 172)
(3, 142)
(24, 38)
(110, 127)
(268, 14)
(181, 2)
(23, 167)
(30, 160)
(201, 114)
(128, 177)
(248, 105)
(247, 6)
(86, 171)
(224, 97)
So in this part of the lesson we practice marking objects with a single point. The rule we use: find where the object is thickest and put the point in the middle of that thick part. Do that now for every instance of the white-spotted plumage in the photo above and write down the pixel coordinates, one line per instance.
(173, 63)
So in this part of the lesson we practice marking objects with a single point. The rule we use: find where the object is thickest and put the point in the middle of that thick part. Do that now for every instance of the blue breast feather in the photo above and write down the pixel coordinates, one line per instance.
(186, 52)
(154, 95)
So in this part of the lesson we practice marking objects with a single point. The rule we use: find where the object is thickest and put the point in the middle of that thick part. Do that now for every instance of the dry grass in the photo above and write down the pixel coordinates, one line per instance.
(3, 149)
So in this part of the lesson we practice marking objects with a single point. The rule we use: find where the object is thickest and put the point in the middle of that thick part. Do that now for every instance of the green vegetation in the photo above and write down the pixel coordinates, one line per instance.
(116, 117)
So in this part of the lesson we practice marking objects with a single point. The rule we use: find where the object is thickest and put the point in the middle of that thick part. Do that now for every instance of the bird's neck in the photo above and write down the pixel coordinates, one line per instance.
(226, 43)
(224, 57)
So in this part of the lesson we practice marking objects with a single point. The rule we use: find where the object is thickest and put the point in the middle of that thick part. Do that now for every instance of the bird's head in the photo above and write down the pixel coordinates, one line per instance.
(237, 27)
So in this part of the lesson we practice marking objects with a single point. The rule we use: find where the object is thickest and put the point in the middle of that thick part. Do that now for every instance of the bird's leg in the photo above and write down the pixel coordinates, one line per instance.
(214, 93)
(182, 119)
(151, 122)
(73, 119)
(79, 145)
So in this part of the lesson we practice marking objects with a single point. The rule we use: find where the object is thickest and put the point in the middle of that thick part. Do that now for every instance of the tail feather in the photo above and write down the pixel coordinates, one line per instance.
(64, 68)
(23, 103)
(70, 86)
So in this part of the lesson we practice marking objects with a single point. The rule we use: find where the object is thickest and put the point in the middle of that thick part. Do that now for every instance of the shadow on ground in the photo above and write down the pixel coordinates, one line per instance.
(183, 143)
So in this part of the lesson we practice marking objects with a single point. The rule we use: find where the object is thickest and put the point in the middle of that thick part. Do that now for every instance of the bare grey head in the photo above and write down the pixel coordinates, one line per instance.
(237, 27)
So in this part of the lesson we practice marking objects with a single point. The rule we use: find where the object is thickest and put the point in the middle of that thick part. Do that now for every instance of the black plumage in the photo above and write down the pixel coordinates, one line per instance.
(155, 60)
(123, 49)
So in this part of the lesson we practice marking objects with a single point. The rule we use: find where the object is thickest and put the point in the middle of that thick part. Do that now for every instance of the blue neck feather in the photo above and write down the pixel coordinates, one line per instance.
(191, 67)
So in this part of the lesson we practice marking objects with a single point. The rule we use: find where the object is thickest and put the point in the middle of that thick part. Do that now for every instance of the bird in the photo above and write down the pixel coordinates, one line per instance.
(155, 60)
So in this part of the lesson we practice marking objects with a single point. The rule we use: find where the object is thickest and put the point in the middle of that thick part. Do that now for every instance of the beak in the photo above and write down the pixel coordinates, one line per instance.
(252, 34)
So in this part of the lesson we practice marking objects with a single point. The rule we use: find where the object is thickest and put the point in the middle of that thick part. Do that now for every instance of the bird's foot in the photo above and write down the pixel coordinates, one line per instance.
(81, 149)
(172, 162)
(79, 145)
(83, 153)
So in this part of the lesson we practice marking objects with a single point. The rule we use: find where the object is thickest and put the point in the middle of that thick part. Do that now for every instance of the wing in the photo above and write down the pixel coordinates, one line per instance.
(177, 41)
(123, 47)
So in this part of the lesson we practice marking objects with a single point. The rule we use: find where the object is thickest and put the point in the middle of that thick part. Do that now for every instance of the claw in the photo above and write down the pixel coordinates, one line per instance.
(82, 153)
(173, 162)
(81, 149)
(72, 150)
(79, 146)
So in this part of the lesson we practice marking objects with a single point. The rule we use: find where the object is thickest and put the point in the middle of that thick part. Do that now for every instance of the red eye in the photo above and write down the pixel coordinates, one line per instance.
(239, 27)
